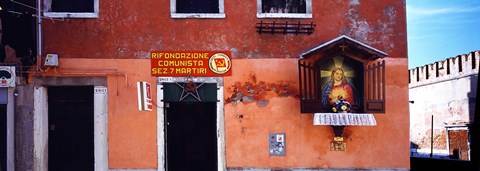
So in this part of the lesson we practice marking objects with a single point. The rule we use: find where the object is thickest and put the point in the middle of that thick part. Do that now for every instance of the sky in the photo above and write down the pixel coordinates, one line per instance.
(440, 29)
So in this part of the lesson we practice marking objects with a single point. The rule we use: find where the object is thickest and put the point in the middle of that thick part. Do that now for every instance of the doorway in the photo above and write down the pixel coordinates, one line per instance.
(191, 136)
(459, 143)
(71, 128)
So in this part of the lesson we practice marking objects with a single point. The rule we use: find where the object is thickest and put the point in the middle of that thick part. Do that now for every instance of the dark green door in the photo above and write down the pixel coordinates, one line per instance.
(70, 135)
(191, 139)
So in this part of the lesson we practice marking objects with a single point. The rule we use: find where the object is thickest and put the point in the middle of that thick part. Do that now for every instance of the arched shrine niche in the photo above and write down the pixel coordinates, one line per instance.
(342, 69)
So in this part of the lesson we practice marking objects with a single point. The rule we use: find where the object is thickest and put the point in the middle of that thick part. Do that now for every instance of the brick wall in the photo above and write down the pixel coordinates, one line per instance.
(445, 89)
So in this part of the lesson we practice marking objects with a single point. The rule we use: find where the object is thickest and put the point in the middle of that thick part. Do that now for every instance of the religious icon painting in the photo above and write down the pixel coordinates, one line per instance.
(341, 78)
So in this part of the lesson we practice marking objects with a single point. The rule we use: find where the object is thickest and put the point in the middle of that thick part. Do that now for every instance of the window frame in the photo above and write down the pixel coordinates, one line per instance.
(48, 13)
(308, 13)
(174, 14)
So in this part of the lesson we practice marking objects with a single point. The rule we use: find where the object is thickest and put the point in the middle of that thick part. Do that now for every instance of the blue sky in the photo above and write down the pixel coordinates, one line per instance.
(439, 29)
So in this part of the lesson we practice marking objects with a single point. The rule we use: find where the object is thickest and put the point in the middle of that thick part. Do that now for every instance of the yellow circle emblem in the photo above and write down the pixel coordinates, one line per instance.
(220, 63)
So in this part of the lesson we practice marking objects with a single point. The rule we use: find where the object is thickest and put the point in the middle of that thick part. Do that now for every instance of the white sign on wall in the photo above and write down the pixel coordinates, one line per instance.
(144, 96)
(7, 76)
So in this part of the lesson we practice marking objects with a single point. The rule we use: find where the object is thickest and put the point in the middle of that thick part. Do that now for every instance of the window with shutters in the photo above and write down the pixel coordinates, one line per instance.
(342, 69)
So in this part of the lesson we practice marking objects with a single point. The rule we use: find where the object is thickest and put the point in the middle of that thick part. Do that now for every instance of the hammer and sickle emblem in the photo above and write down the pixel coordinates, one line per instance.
(220, 62)
(191, 87)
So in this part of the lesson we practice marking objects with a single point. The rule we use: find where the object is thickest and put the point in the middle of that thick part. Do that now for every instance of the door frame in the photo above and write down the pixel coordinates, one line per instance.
(221, 164)
(459, 127)
(11, 93)
(40, 120)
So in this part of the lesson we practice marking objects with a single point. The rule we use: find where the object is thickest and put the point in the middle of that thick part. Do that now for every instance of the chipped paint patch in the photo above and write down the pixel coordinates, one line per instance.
(358, 28)
(361, 29)
(260, 91)
(373, 33)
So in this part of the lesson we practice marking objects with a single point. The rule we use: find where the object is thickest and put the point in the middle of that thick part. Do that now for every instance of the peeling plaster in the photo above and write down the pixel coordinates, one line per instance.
(455, 111)
(358, 27)
(391, 14)
(253, 90)
(386, 24)
(361, 30)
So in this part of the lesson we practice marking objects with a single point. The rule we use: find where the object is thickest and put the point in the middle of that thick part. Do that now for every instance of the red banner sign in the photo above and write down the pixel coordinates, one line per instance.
(191, 63)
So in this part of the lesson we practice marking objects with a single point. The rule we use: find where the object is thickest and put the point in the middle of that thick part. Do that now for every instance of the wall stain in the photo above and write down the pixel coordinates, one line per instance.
(347, 134)
(244, 130)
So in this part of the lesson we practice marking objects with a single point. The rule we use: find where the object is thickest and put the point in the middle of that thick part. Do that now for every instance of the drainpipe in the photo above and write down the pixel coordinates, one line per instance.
(39, 34)
(431, 140)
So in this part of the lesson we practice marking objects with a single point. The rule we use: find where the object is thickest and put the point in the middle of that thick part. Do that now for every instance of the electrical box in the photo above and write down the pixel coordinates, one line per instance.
(51, 60)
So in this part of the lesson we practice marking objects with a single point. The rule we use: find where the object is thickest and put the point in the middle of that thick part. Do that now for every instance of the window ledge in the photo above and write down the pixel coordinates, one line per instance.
(70, 15)
(282, 15)
(344, 119)
(196, 15)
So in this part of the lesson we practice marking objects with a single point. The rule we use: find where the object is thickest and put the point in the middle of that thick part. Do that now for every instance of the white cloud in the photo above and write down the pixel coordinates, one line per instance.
(419, 38)
(419, 12)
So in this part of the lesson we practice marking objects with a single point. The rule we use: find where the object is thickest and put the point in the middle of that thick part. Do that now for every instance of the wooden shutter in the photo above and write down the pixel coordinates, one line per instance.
(310, 97)
(375, 87)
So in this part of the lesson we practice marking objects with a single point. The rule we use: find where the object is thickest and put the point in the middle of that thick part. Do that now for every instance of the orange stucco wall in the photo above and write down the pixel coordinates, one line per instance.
(132, 134)
(248, 124)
